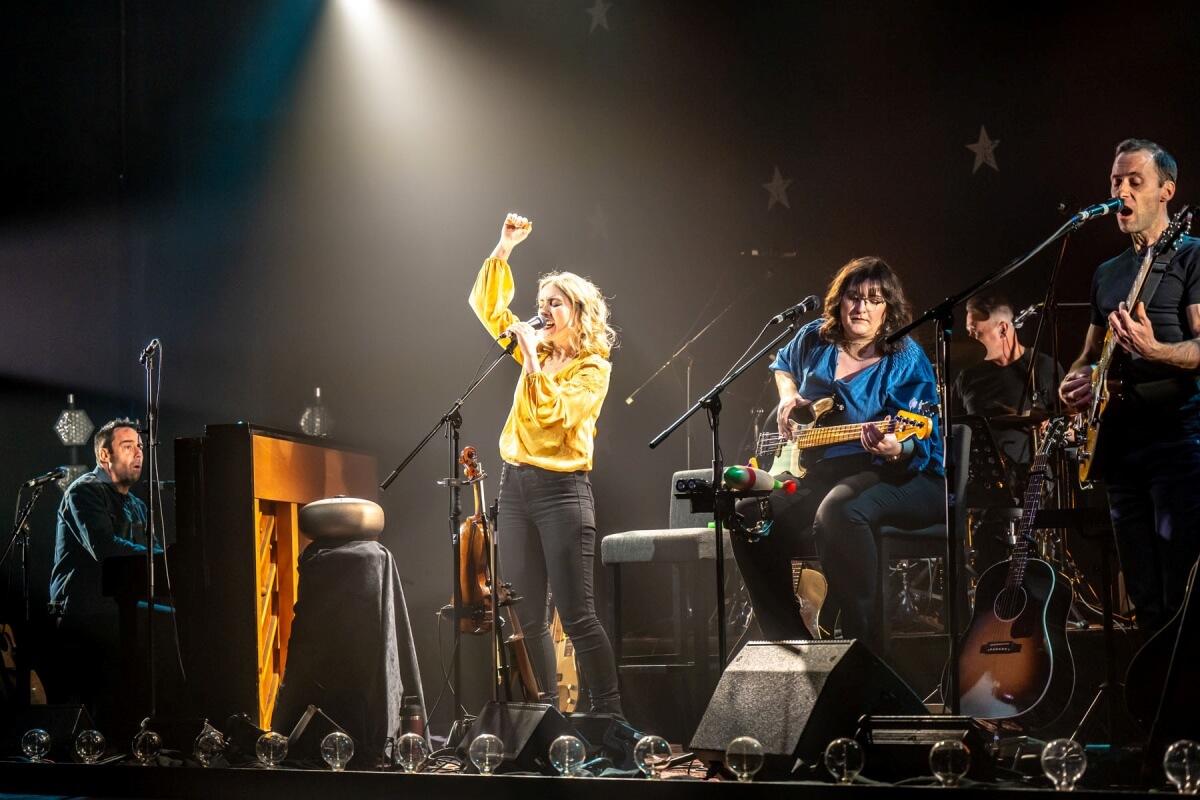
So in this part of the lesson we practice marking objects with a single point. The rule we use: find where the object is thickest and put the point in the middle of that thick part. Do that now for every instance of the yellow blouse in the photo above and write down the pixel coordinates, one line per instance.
(552, 423)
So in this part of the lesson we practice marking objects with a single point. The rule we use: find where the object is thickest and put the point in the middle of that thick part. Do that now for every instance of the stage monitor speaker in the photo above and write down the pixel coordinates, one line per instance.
(527, 729)
(607, 737)
(62, 722)
(795, 697)
(897, 748)
(178, 734)
(241, 739)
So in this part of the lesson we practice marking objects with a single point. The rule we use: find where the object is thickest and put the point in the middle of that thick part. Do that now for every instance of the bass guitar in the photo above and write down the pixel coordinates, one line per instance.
(786, 453)
(1091, 454)
(1014, 659)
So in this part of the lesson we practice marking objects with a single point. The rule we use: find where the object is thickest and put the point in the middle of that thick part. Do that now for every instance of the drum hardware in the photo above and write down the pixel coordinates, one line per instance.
(1031, 419)
(918, 596)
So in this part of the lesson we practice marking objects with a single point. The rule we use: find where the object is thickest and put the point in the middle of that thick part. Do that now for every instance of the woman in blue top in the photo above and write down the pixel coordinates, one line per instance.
(853, 487)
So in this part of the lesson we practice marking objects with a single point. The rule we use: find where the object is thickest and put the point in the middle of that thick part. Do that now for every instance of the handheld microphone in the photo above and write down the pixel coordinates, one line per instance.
(810, 303)
(749, 479)
(42, 480)
(1025, 314)
(1099, 210)
(149, 351)
(537, 323)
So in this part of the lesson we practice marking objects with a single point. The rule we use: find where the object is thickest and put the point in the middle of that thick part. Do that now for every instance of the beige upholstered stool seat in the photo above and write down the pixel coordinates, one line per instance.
(341, 518)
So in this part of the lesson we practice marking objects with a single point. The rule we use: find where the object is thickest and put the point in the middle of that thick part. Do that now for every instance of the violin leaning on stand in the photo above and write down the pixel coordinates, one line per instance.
(476, 575)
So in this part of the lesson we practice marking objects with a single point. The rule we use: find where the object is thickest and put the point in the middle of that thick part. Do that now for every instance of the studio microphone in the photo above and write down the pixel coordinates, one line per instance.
(749, 479)
(810, 303)
(149, 351)
(41, 480)
(1019, 320)
(1099, 210)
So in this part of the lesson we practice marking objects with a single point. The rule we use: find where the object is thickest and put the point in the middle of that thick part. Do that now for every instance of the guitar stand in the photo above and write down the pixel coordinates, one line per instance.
(1055, 553)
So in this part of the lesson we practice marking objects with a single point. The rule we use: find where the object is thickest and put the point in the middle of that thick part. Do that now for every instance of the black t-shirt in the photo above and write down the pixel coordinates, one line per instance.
(1161, 396)
(987, 389)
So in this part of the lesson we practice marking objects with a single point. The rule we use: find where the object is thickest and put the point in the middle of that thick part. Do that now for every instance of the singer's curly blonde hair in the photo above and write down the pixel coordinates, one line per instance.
(590, 331)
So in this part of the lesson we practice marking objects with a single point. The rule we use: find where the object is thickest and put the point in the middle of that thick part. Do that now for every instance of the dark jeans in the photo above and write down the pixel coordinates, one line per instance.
(834, 515)
(547, 536)
(1154, 497)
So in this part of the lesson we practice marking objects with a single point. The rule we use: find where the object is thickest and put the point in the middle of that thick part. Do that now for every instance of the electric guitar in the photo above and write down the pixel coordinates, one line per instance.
(1091, 454)
(786, 453)
(1014, 659)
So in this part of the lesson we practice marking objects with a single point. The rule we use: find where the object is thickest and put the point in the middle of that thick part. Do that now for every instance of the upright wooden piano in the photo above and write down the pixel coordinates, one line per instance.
(239, 489)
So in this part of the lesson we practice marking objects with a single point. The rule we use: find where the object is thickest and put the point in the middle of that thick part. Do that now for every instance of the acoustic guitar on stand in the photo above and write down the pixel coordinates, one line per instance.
(1014, 659)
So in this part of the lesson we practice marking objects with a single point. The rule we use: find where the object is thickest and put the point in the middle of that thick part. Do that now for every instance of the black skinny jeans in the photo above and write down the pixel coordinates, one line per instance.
(834, 515)
(547, 536)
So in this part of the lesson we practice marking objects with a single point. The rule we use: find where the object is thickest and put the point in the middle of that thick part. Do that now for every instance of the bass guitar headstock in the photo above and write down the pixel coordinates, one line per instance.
(908, 424)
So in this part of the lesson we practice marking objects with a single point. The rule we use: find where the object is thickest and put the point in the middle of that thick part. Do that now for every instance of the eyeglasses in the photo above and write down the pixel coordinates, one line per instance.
(854, 298)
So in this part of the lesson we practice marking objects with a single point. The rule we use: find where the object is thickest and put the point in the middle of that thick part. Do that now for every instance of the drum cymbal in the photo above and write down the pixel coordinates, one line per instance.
(1030, 419)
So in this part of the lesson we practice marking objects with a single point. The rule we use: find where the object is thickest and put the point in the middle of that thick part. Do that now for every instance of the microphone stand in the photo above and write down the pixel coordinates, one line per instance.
(723, 500)
(683, 348)
(942, 315)
(21, 531)
(452, 421)
(152, 479)
(1048, 311)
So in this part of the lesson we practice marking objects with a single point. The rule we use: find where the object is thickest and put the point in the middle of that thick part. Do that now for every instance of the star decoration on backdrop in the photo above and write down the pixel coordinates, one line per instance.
(599, 13)
(984, 150)
(777, 188)
(599, 224)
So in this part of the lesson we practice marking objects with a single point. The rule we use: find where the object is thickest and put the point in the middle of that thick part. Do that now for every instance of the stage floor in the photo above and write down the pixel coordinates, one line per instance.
(1109, 774)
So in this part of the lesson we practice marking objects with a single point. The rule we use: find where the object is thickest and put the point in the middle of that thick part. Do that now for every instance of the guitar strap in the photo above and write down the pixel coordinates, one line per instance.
(1157, 271)
(1170, 391)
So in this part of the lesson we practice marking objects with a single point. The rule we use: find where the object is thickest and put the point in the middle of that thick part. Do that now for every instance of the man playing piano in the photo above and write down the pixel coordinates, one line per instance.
(98, 518)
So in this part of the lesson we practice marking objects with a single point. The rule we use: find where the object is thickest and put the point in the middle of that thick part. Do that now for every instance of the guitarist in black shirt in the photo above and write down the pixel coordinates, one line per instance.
(1147, 430)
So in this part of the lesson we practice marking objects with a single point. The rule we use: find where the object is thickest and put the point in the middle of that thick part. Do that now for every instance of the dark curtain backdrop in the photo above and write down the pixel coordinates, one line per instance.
(298, 194)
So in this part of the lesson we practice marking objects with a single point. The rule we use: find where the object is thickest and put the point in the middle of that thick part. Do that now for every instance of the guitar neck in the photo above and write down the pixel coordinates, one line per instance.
(1033, 500)
(1162, 251)
(817, 437)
